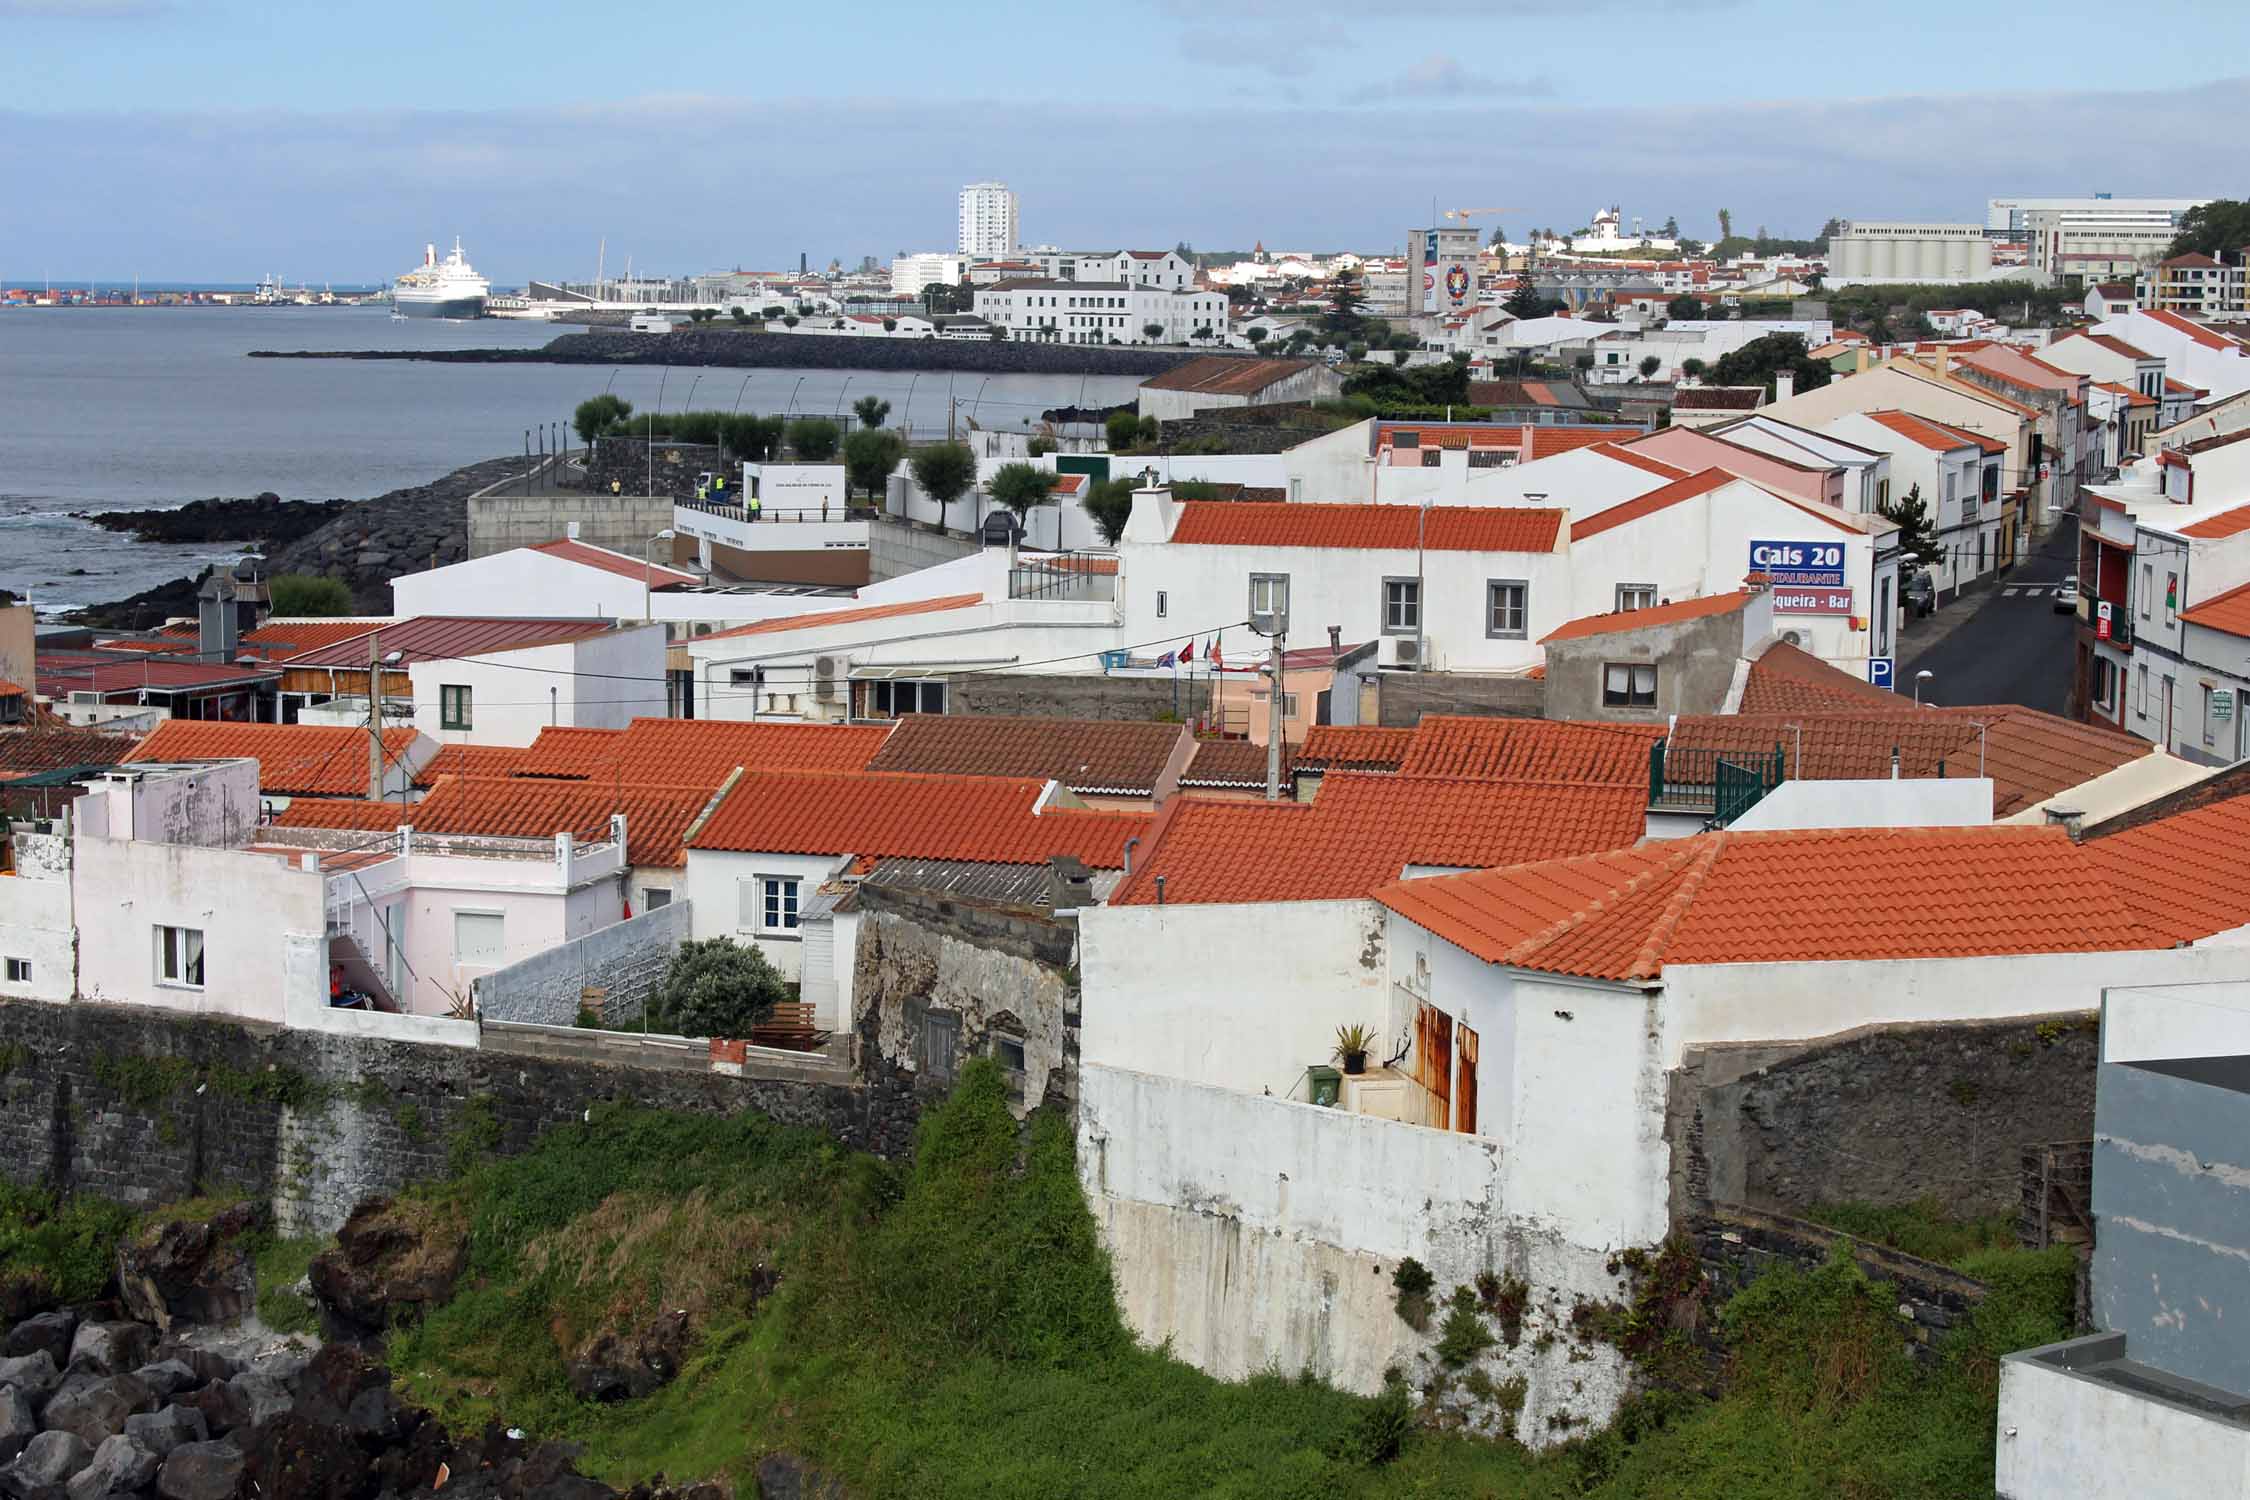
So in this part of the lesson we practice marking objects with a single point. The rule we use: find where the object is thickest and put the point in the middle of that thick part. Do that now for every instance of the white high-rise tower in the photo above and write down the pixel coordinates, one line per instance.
(988, 221)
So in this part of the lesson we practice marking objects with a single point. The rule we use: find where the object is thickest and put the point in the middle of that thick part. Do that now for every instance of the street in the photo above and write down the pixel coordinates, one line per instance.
(2003, 643)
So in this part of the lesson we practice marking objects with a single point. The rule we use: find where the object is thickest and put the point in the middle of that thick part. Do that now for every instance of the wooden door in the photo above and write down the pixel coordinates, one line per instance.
(1465, 1081)
(1433, 1064)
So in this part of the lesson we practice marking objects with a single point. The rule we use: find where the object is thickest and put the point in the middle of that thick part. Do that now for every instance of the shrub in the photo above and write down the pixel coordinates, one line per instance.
(1021, 486)
(1412, 1283)
(294, 594)
(872, 410)
(1123, 427)
(714, 987)
(945, 471)
(814, 439)
(1040, 447)
(1464, 1335)
(1110, 504)
(1379, 1435)
(599, 414)
(62, 1248)
(870, 456)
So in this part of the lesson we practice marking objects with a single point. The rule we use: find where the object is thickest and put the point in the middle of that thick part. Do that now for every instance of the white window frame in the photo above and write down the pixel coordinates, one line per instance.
(182, 962)
(1635, 596)
(1275, 588)
(780, 903)
(19, 971)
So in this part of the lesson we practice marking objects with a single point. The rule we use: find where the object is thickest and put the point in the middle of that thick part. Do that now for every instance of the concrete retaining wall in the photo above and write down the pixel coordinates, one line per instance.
(624, 960)
(895, 549)
(1404, 697)
(620, 523)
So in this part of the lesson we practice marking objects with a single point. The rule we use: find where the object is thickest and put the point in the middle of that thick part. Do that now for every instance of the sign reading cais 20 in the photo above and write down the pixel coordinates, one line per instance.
(1798, 562)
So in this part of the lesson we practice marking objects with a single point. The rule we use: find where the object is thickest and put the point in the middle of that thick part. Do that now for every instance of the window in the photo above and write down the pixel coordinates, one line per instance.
(1507, 606)
(19, 971)
(891, 699)
(2171, 598)
(654, 896)
(1264, 703)
(1949, 486)
(1991, 483)
(2148, 587)
(479, 937)
(2209, 736)
(1402, 606)
(453, 706)
(941, 1042)
(1635, 596)
(1269, 594)
(179, 956)
(1625, 685)
(1883, 606)
(1163, 603)
(1488, 458)
(775, 903)
(1406, 440)
(1008, 1052)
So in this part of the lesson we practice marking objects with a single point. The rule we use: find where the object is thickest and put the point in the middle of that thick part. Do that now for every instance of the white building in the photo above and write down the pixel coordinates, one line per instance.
(2010, 218)
(2211, 361)
(911, 273)
(1894, 252)
(1102, 312)
(990, 227)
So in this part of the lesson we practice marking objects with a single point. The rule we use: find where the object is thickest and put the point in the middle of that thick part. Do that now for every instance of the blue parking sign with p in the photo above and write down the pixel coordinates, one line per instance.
(1879, 672)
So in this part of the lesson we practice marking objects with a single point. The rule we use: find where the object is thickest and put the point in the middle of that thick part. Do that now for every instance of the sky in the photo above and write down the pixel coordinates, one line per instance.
(219, 140)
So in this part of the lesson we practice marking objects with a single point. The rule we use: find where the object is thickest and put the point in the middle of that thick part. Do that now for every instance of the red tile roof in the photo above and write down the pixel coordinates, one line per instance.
(2184, 875)
(513, 807)
(1656, 466)
(1795, 896)
(2132, 397)
(1719, 398)
(2226, 523)
(570, 753)
(698, 751)
(447, 638)
(1354, 747)
(2229, 612)
(1546, 442)
(56, 745)
(1642, 619)
(2110, 342)
(1450, 528)
(1531, 750)
(851, 616)
(586, 555)
(1650, 503)
(1363, 829)
(294, 760)
(2182, 388)
(1233, 765)
(472, 760)
(1786, 679)
(1922, 431)
(989, 819)
(1119, 757)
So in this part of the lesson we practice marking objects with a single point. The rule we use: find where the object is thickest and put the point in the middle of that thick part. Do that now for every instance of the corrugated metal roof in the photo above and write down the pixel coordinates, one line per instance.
(446, 638)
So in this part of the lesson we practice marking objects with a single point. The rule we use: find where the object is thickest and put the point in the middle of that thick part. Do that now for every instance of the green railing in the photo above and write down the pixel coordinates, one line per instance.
(1722, 785)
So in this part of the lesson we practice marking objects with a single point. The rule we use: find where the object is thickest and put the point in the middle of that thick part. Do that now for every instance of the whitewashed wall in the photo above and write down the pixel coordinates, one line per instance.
(713, 878)
(35, 918)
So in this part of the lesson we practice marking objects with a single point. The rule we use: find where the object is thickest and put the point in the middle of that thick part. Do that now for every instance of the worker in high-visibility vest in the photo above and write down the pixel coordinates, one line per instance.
(617, 487)
(756, 505)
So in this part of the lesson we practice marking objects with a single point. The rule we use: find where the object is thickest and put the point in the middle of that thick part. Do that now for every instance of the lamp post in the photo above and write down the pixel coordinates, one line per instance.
(1919, 678)
(647, 567)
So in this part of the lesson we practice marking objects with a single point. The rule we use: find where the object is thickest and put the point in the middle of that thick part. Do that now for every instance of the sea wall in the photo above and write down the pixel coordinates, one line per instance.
(738, 349)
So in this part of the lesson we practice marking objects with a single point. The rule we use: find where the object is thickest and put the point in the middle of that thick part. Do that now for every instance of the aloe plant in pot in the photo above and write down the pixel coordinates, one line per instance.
(1351, 1047)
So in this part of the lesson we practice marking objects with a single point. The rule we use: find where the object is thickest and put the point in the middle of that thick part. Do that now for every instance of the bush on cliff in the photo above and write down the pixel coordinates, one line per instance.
(55, 1250)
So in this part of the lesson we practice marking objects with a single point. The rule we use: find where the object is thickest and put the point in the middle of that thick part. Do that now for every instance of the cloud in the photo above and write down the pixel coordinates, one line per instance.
(1440, 76)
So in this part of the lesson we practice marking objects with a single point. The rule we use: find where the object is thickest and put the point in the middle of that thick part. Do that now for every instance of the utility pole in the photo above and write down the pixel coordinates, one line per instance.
(1273, 725)
(374, 716)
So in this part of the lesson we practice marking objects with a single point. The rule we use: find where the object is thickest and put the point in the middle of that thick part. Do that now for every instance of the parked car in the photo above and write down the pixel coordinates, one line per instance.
(1921, 594)
(2066, 596)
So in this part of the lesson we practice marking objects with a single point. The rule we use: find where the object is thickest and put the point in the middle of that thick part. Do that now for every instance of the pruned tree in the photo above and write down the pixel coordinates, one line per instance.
(1021, 486)
(1110, 505)
(871, 455)
(598, 415)
(871, 410)
(814, 439)
(945, 471)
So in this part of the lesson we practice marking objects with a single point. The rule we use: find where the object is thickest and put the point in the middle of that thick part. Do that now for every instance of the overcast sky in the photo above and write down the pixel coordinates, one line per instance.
(221, 139)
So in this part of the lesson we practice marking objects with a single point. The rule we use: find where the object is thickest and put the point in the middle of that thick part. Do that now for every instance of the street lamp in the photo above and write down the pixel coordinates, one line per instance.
(1919, 678)
(647, 566)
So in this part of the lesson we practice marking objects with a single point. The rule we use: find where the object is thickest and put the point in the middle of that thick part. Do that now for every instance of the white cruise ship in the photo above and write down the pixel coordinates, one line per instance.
(450, 288)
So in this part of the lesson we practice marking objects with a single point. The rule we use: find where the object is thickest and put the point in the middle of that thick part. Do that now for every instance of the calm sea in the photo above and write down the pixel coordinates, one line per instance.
(138, 408)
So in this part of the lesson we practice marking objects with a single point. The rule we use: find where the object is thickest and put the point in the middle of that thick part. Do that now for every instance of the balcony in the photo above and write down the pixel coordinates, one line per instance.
(1721, 785)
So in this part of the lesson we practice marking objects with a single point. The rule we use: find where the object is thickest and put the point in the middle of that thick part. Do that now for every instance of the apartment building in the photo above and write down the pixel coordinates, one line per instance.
(990, 221)
(2196, 286)
(1046, 311)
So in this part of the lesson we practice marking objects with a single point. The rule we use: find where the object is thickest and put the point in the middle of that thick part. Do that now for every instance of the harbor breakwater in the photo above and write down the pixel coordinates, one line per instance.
(735, 349)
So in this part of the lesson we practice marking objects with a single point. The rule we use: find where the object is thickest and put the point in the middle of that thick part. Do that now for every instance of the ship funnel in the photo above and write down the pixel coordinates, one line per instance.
(429, 255)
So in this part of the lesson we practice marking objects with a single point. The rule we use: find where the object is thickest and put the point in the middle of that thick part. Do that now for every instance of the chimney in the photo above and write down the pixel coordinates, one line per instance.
(1859, 360)
(1784, 386)
(1945, 359)
(1336, 639)
(2069, 819)
(217, 625)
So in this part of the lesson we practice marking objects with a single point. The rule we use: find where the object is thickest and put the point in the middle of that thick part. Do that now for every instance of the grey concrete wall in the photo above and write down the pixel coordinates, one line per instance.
(1402, 698)
(1071, 696)
(146, 1107)
(1881, 1114)
(1694, 662)
(2171, 1267)
(621, 523)
(895, 549)
(624, 960)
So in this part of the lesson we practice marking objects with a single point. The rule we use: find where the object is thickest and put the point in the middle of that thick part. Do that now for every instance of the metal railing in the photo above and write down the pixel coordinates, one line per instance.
(1723, 784)
(852, 510)
(1064, 575)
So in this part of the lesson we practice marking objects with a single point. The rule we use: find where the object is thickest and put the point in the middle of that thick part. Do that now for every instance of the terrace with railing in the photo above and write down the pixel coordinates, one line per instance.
(1720, 784)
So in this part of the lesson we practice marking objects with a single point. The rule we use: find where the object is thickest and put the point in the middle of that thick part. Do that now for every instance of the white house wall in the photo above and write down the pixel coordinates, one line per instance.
(713, 885)
(601, 682)
(35, 918)
(1239, 997)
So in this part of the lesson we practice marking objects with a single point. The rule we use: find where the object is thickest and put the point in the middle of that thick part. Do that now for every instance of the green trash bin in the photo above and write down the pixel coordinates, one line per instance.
(1327, 1083)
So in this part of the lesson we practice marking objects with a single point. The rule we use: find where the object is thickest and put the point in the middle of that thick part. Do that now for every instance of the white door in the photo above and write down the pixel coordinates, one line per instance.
(817, 983)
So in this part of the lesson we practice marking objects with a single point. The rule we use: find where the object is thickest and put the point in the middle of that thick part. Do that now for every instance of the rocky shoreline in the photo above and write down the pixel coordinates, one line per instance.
(265, 519)
(362, 543)
(731, 348)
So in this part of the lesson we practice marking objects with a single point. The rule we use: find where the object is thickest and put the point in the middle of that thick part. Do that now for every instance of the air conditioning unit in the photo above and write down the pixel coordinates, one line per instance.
(1403, 651)
(824, 678)
(1793, 637)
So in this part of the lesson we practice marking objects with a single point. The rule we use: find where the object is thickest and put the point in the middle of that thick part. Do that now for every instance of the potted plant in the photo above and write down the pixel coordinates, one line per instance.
(1351, 1047)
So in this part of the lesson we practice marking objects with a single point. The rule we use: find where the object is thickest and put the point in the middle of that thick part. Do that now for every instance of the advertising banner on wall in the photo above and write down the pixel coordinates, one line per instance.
(1798, 562)
(1790, 600)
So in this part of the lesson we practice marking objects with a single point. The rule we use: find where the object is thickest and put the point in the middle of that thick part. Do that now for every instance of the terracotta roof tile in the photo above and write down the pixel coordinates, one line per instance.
(1719, 398)
(1642, 619)
(1531, 750)
(515, 807)
(701, 752)
(1649, 504)
(1353, 747)
(1787, 679)
(471, 760)
(570, 753)
(1119, 757)
(991, 819)
(2110, 342)
(2183, 875)
(1795, 896)
(1546, 442)
(2225, 524)
(54, 747)
(851, 616)
(1364, 828)
(586, 555)
(1235, 765)
(2193, 330)
(1450, 528)
(294, 760)
(2229, 612)
(1656, 466)
(1921, 431)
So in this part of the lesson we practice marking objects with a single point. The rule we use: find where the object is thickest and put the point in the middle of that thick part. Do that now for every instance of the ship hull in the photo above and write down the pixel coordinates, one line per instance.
(440, 307)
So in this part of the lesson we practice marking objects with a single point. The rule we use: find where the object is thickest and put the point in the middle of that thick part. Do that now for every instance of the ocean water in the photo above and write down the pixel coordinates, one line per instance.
(141, 408)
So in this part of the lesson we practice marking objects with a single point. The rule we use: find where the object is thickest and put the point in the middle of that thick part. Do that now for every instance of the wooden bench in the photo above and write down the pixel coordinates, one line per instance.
(790, 1026)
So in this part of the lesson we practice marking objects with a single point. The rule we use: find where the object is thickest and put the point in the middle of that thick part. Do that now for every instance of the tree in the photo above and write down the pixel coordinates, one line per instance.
(1692, 367)
(945, 471)
(770, 312)
(871, 410)
(748, 435)
(1152, 331)
(1040, 446)
(1917, 535)
(1584, 362)
(715, 988)
(1122, 427)
(1726, 224)
(1650, 364)
(1346, 300)
(788, 320)
(890, 325)
(1021, 486)
(1831, 229)
(1355, 352)
(1671, 230)
(1760, 360)
(1147, 432)
(294, 594)
(741, 315)
(1684, 306)
(1499, 238)
(1110, 505)
(870, 456)
(814, 439)
(598, 415)
(1257, 337)
(1524, 300)
(2219, 229)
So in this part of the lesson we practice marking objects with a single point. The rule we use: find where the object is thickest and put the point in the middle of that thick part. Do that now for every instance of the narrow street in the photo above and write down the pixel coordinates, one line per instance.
(2004, 642)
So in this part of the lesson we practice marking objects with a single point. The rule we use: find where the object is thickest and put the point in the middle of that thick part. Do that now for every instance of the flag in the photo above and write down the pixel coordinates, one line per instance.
(1217, 661)
(1187, 652)
(1168, 659)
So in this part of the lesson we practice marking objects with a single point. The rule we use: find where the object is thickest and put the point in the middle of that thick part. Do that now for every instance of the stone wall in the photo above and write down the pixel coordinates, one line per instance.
(896, 548)
(497, 523)
(1404, 697)
(627, 462)
(996, 971)
(623, 961)
(1068, 695)
(1881, 1114)
(146, 1107)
